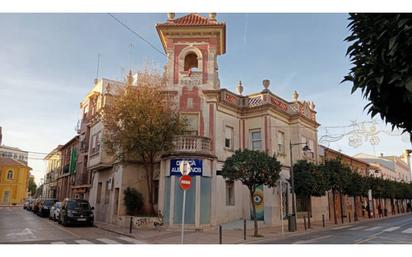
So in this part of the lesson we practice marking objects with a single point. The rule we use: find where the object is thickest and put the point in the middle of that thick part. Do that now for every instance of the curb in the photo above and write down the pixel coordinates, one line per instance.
(114, 231)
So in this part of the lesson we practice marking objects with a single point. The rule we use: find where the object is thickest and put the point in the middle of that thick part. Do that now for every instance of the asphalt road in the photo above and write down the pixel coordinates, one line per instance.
(396, 230)
(20, 226)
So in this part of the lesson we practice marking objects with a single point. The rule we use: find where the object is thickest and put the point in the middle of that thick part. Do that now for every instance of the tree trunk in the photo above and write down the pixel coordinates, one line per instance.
(341, 206)
(149, 182)
(334, 207)
(355, 212)
(254, 213)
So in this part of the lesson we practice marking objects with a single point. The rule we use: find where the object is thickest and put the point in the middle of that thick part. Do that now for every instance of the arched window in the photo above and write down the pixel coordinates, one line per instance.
(10, 175)
(191, 61)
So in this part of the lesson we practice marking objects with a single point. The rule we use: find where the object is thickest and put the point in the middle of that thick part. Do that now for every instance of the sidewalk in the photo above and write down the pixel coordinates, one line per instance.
(232, 233)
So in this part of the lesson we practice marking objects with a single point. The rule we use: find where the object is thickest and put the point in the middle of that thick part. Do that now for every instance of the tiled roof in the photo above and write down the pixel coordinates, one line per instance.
(11, 162)
(192, 19)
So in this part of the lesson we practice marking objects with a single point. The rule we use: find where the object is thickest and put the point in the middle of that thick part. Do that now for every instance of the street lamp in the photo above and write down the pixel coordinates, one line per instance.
(292, 219)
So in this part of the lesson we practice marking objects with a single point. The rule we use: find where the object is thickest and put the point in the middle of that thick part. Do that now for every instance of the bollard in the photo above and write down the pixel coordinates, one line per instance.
(131, 225)
(323, 220)
(220, 234)
(308, 220)
(244, 229)
(304, 221)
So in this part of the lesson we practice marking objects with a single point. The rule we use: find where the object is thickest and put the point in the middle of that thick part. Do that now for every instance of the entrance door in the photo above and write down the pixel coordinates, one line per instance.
(116, 201)
(6, 197)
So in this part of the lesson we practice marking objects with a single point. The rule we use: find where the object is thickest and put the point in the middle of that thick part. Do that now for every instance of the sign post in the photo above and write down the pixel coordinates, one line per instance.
(185, 183)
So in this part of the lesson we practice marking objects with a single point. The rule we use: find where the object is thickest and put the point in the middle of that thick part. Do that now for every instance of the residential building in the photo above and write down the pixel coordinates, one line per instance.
(12, 152)
(53, 170)
(395, 168)
(221, 122)
(14, 181)
(67, 176)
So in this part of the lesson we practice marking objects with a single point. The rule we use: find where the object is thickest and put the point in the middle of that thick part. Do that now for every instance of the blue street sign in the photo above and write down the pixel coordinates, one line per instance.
(196, 167)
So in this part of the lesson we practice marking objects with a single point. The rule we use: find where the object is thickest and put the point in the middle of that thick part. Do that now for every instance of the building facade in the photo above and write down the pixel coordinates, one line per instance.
(67, 176)
(53, 170)
(14, 181)
(221, 122)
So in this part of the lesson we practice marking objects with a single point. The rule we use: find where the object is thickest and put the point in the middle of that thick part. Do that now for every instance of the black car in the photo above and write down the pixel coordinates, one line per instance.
(76, 211)
(44, 207)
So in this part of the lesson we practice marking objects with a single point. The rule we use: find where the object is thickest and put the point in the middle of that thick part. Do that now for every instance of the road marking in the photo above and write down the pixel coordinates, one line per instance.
(58, 242)
(407, 231)
(391, 229)
(373, 228)
(62, 229)
(107, 241)
(83, 242)
(365, 240)
(342, 227)
(358, 228)
(313, 240)
(130, 240)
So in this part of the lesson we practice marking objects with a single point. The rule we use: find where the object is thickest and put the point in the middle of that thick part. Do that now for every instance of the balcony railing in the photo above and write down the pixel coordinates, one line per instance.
(192, 144)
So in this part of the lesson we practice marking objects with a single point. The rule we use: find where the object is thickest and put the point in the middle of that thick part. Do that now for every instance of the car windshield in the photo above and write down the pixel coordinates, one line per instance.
(84, 205)
(48, 202)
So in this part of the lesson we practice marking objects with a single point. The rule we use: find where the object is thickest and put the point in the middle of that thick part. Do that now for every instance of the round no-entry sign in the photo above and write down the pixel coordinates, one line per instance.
(185, 182)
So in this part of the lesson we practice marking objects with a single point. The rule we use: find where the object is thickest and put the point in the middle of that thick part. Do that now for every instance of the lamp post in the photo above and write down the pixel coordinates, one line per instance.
(292, 224)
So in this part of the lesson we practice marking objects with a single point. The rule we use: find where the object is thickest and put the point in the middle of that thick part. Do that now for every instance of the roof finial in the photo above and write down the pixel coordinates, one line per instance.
(239, 88)
(170, 16)
(212, 16)
(295, 96)
(266, 84)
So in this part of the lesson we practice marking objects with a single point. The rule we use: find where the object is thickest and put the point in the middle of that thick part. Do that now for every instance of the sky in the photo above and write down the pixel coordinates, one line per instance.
(48, 63)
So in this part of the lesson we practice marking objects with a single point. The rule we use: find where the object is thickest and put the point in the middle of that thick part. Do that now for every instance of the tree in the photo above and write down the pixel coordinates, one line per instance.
(356, 187)
(252, 168)
(380, 51)
(141, 124)
(308, 179)
(133, 200)
(32, 186)
(337, 176)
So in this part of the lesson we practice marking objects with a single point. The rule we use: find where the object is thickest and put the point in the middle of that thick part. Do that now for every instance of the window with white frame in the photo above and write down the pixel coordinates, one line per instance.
(281, 142)
(229, 137)
(10, 175)
(256, 139)
(95, 143)
(230, 193)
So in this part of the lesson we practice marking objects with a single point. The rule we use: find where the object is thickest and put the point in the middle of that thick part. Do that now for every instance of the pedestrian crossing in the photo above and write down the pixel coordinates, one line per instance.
(382, 229)
(116, 240)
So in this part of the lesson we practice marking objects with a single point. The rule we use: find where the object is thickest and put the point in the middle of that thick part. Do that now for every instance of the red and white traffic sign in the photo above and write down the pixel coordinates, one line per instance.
(185, 182)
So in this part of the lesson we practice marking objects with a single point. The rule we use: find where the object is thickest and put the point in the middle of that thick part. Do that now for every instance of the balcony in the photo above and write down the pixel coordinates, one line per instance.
(192, 144)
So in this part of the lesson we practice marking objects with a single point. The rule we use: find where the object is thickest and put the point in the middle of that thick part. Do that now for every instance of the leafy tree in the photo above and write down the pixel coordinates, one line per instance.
(141, 124)
(32, 187)
(252, 168)
(338, 177)
(356, 187)
(133, 201)
(381, 53)
(309, 181)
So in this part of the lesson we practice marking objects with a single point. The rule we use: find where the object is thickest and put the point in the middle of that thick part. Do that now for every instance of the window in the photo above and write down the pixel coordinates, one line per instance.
(256, 140)
(192, 124)
(10, 175)
(190, 61)
(106, 193)
(99, 192)
(281, 142)
(190, 102)
(229, 137)
(230, 193)
(95, 143)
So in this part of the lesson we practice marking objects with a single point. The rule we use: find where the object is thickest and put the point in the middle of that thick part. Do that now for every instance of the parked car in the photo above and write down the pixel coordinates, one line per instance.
(26, 205)
(76, 211)
(36, 204)
(55, 211)
(44, 207)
